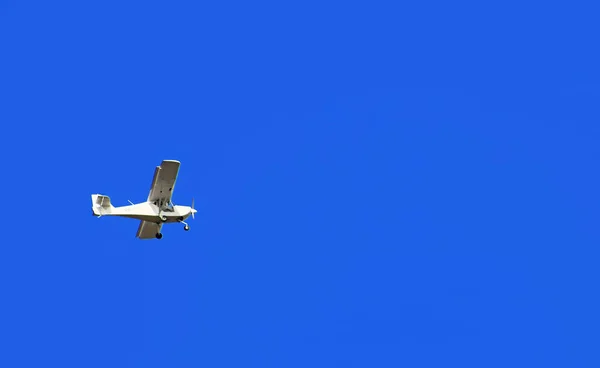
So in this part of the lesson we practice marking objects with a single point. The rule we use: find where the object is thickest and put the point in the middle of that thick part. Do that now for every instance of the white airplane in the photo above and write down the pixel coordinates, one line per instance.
(158, 208)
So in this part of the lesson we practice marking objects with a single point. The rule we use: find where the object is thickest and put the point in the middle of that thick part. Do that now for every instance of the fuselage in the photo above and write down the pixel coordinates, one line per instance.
(148, 211)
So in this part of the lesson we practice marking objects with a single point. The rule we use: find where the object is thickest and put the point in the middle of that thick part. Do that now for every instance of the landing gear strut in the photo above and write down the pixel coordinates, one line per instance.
(186, 227)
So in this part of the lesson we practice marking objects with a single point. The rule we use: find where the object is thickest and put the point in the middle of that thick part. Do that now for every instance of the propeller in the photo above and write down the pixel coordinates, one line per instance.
(193, 210)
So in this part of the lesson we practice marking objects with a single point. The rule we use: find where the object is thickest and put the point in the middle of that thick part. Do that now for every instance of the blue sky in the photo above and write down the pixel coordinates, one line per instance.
(377, 184)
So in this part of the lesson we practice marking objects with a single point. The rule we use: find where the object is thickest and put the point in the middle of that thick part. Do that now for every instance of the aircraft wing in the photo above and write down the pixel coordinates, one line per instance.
(164, 180)
(148, 230)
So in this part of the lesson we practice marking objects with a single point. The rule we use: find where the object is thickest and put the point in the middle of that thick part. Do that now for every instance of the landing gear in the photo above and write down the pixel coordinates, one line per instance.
(163, 218)
(186, 227)
(158, 235)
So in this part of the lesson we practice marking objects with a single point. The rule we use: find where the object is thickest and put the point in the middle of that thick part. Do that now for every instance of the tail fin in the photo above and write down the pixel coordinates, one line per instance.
(101, 205)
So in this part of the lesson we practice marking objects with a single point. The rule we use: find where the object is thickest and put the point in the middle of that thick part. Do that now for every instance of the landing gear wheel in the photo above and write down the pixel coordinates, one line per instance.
(158, 235)
(163, 218)
(186, 227)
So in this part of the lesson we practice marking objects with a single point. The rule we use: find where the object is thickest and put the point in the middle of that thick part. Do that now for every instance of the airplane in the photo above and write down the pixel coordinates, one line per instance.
(158, 208)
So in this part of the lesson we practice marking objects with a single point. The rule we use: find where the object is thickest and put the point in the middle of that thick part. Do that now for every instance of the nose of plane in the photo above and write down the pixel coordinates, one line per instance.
(192, 210)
